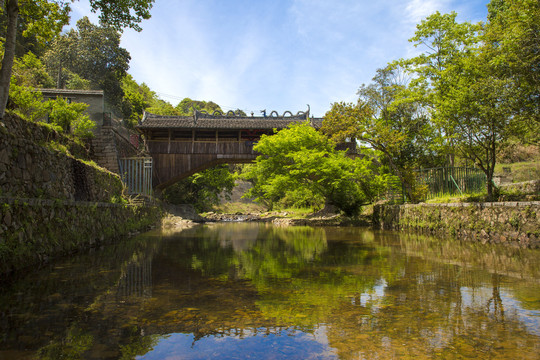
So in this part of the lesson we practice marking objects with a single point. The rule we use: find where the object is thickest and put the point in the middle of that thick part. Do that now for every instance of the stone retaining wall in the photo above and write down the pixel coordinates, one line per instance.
(512, 223)
(34, 230)
(39, 133)
(53, 204)
(29, 169)
(109, 146)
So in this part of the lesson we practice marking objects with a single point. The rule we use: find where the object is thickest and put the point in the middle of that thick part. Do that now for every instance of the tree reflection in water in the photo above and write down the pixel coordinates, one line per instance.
(234, 290)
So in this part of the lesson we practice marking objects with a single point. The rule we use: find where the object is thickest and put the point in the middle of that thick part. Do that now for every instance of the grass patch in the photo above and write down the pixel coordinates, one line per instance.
(465, 198)
(299, 213)
(239, 208)
(520, 171)
(504, 195)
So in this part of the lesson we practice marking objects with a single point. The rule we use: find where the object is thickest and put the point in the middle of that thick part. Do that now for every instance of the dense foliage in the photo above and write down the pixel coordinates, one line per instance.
(299, 167)
(386, 121)
(472, 91)
(42, 20)
(202, 189)
(29, 73)
(87, 57)
(470, 94)
(139, 98)
(92, 53)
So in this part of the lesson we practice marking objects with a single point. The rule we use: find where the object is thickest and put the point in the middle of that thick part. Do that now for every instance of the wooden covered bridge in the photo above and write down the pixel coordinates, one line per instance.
(183, 145)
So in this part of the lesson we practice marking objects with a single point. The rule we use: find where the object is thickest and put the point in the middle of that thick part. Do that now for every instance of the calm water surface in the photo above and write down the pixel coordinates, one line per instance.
(256, 291)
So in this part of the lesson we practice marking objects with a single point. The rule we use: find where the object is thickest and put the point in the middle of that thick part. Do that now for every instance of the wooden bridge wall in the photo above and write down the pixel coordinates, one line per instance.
(175, 160)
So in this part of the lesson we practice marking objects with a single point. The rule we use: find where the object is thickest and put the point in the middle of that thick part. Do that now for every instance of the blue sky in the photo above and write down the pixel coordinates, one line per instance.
(274, 54)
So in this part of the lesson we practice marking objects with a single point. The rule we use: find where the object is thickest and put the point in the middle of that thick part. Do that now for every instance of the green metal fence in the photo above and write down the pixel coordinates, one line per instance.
(394, 192)
(451, 181)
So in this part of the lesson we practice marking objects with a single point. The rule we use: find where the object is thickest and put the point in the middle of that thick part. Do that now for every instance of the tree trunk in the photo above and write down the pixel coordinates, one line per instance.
(59, 78)
(489, 186)
(451, 158)
(12, 13)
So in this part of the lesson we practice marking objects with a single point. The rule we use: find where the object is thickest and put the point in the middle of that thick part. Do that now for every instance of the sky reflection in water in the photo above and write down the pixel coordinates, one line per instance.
(286, 344)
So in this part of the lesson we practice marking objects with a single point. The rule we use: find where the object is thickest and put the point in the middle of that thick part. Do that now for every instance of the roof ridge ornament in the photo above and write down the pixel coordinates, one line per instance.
(144, 114)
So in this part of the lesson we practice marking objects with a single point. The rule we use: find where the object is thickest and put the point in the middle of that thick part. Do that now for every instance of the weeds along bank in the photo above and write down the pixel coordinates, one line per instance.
(53, 200)
(510, 223)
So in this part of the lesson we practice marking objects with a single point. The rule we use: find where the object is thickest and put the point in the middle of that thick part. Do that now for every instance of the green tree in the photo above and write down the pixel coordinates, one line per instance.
(29, 71)
(75, 82)
(478, 110)
(202, 189)
(186, 106)
(395, 109)
(46, 19)
(300, 167)
(443, 41)
(28, 74)
(512, 37)
(347, 120)
(93, 53)
(480, 87)
(483, 104)
(162, 107)
(26, 102)
(70, 117)
(136, 99)
(139, 98)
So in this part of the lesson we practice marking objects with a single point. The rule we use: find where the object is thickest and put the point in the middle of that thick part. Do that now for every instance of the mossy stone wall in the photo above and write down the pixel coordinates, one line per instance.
(52, 203)
(512, 223)
(34, 230)
(30, 169)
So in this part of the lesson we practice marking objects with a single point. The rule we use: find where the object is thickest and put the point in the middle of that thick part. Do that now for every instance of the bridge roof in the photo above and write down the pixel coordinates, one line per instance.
(222, 122)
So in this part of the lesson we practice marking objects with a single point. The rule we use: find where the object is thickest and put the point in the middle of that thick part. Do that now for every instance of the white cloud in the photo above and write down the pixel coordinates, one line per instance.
(417, 10)
(80, 9)
(274, 55)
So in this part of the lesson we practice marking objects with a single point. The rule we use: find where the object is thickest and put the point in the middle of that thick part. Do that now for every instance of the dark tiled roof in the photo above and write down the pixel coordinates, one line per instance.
(70, 92)
(152, 121)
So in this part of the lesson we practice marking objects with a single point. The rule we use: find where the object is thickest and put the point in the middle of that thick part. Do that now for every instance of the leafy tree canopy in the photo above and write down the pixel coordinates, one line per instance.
(480, 80)
(44, 19)
(512, 39)
(186, 106)
(201, 189)
(93, 53)
(39, 21)
(299, 167)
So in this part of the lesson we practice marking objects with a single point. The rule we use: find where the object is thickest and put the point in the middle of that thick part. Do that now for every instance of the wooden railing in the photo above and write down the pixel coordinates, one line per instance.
(201, 147)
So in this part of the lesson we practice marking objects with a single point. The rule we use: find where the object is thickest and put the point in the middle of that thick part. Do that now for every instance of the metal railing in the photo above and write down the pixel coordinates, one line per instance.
(136, 173)
(451, 181)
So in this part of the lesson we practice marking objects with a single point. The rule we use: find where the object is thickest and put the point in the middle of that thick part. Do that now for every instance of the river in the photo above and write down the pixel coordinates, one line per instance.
(258, 291)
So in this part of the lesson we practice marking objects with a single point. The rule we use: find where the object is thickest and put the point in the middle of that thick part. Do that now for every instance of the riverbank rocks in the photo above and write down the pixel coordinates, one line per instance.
(184, 211)
(510, 223)
(327, 219)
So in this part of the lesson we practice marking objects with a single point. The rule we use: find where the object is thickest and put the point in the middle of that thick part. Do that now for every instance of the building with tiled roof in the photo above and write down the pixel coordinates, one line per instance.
(182, 145)
(93, 98)
(204, 121)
